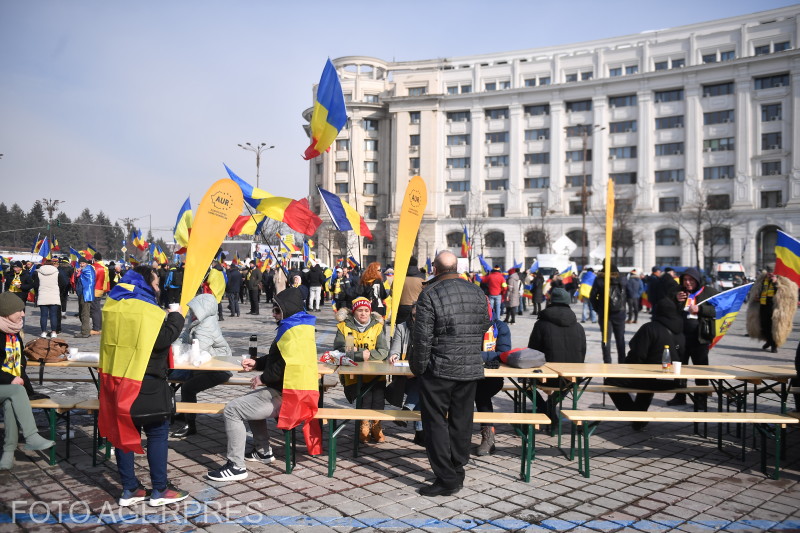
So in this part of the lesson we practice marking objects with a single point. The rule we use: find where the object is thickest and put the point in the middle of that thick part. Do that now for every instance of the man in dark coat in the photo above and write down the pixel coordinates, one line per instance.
(253, 284)
(616, 312)
(232, 289)
(316, 279)
(452, 318)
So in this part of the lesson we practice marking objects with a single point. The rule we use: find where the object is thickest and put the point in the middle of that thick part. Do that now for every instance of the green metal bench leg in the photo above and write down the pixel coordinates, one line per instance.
(51, 417)
(334, 429)
(94, 439)
(290, 448)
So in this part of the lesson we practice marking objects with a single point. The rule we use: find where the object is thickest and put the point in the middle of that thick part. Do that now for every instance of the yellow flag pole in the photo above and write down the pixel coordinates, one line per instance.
(607, 260)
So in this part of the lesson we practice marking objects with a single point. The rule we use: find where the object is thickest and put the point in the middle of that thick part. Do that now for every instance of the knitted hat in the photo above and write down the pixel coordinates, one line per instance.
(358, 302)
(10, 303)
(559, 296)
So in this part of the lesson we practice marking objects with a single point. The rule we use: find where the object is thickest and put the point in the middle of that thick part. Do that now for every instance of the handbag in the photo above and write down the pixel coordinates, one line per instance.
(155, 402)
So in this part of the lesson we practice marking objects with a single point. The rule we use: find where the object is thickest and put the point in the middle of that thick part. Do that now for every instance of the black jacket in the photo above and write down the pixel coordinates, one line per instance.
(666, 329)
(452, 318)
(26, 283)
(273, 365)
(234, 284)
(702, 329)
(598, 294)
(315, 276)
(558, 334)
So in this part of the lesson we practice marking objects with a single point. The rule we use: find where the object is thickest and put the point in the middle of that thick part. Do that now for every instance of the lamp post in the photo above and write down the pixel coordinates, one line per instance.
(257, 150)
(584, 194)
(50, 206)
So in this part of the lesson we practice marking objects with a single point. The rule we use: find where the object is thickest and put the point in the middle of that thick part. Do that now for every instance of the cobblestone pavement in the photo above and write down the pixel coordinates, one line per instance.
(661, 479)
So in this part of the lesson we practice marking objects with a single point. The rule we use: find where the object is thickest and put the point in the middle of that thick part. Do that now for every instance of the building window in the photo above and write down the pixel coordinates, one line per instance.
(761, 50)
(370, 124)
(586, 76)
(371, 145)
(466, 89)
(319, 168)
(631, 69)
(371, 188)
(495, 239)
(490, 86)
(770, 168)
(541, 134)
(661, 65)
(669, 149)
(457, 140)
(458, 162)
(571, 77)
(674, 95)
(718, 201)
(452, 89)
(577, 208)
(710, 58)
(577, 181)
(577, 155)
(669, 176)
(504, 85)
(719, 117)
(539, 158)
(718, 173)
(770, 82)
(458, 211)
(668, 237)
(577, 131)
(496, 185)
(370, 167)
(665, 123)
(669, 204)
(624, 205)
(771, 141)
(727, 55)
(342, 188)
(770, 199)
(626, 126)
(458, 186)
(580, 105)
(614, 72)
(726, 144)
(454, 239)
(371, 98)
(413, 140)
(497, 161)
(342, 166)
(544, 80)
(771, 112)
(622, 101)
(536, 110)
(530, 82)
(414, 117)
(371, 212)
(537, 183)
(668, 260)
(678, 63)
(342, 144)
(623, 178)
(780, 47)
(413, 164)
(458, 116)
(497, 113)
(497, 137)
(495, 211)
(718, 89)
(622, 152)
(535, 209)
(417, 91)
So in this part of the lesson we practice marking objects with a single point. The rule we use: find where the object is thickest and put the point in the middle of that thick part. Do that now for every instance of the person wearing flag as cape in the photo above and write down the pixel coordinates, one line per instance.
(771, 306)
(134, 392)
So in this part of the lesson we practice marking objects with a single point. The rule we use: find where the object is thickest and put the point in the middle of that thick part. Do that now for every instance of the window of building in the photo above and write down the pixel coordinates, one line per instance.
(771, 112)
(371, 188)
(458, 162)
(577, 181)
(623, 205)
(371, 212)
(668, 237)
(770, 82)
(571, 77)
(348, 97)
(414, 117)
(539, 158)
(495, 211)
(669, 176)
(536, 110)
(587, 75)
(718, 201)
(771, 199)
(544, 80)
(669, 204)
(497, 113)
(371, 98)
(770, 168)
(577, 208)
(370, 124)
(577, 131)
(497, 137)
(458, 211)
(661, 65)
(497, 161)
(494, 239)
(454, 239)
(413, 164)
(780, 47)
(530, 82)
(342, 188)
(726, 144)
(614, 72)
(669, 149)
(761, 50)
(622, 101)
(540, 134)
(490, 86)
(371, 167)
(631, 69)
(668, 260)
(679, 62)
(673, 95)
(504, 85)
(626, 126)
(771, 141)
(665, 123)
(452, 89)
(710, 58)
(719, 117)
(466, 89)
(535, 209)
(623, 178)
(371, 145)
(319, 168)
(579, 105)
(417, 91)
(457, 140)
(537, 183)
(342, 166)
(724, 172)
(458, 116)
(577, 155)
(717, 236)
(342, 144)
(458, 186)
(413, 140)
(622, 152)
(718, 89)
(496, 185)
(727, 55)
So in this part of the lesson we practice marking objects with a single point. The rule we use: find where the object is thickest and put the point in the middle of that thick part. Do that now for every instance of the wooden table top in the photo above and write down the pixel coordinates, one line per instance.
(602, 370)
(383, 368)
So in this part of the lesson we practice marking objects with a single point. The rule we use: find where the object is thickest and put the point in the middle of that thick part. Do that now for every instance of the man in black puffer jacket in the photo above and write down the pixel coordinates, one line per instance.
(452, 318)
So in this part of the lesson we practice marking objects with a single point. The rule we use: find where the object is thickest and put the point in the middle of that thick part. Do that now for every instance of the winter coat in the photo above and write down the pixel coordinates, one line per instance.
(452, 318)
(598, 294)
(538, 289)
(514, 285)
(205, 328)
(84, 283)
(666, 329)
(26, 283)
(47, 281)
(704, 327)
(495, 283)
(253, 279)
(273, 365)
(633, 287)
(315, 276)
(234, 284)
(558, 335)
(413, 286)
(372, 338)
(664, 287)
(502, 341)
(784, 306)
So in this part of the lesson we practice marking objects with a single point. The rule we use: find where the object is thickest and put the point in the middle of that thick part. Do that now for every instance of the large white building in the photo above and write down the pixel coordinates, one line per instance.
(696, 126)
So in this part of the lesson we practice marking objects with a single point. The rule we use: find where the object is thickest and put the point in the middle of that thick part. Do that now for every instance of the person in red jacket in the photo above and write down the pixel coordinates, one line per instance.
(494, 285)
(100, 289)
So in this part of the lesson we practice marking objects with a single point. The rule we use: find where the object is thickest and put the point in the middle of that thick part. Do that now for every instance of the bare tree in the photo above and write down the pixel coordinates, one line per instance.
(474, 219)
(626, 233)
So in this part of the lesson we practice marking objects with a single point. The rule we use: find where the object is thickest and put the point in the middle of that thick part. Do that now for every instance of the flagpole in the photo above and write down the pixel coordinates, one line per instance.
(264, 238)
(352, 181)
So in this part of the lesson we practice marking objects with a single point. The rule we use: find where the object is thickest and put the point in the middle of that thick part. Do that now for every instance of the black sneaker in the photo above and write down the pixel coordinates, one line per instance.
(130, 497)
(256, 456)
(229, 472)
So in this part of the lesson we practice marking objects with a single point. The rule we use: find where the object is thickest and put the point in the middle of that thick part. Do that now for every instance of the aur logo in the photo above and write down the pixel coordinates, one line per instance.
(415, 197)
(221, 200)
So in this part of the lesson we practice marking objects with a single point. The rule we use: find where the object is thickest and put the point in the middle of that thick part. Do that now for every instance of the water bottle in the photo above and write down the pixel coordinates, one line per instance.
(253, 349)
(666, 360)
(349, 345)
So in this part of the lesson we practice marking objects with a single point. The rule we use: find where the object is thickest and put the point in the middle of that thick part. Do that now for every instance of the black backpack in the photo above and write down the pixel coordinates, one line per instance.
(616, 299)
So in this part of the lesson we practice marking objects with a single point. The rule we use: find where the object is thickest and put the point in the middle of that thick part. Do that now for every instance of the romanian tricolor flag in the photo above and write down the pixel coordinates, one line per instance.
(132, 320)
(484, 265)
(465, 246)
(342, 214)
(56, 247)
(36, 244)
(727, 305)
(74, 255)
(217, 280)
(787, 253)
(297, 342)
(132, 260)
(44, 248)
(162, 257)
(183, 226)
(247, 225)
(235, 260)
(329, 115)
(352, 263)
(566, 275)
(587, 281)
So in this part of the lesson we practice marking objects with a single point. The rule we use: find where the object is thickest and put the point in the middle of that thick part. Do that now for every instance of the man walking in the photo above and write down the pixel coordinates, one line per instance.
(451, 319)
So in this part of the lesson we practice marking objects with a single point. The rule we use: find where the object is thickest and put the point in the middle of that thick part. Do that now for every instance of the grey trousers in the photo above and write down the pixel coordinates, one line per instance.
(84, 309)
(96, 311)
(16, 407)
(255, 406)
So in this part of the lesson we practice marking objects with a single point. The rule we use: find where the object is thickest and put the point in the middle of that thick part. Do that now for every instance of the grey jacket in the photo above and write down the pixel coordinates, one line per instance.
(206, 328)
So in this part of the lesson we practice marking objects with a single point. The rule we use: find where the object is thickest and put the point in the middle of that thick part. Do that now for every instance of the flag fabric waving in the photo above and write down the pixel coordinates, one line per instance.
(343, 215)
(216, 283)
(484, 265)
(294, 213)
(36, 244)
(352, 263)
(329, 115)
(566, 275)
(74, 255)
(44, 248)
(56, 247)
(727, 305)
(587, 281)
(534, 267)
(465, 246)
(183, 225)
(787, 253)
(247, 225)
(517, 266)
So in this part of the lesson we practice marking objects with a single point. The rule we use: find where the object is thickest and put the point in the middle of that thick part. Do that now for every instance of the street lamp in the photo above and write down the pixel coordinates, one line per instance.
(257, 150)
(50, 206)
(584, 194)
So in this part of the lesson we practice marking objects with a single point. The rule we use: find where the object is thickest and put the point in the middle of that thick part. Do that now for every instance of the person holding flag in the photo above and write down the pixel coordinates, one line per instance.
(771, 306)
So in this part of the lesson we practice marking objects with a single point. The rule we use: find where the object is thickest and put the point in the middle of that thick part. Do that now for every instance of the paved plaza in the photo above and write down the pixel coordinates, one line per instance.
(664, 478)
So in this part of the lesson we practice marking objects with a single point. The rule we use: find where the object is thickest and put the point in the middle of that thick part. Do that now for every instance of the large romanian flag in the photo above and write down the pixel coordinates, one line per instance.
(297, 343)
(343, 215)
(132, 320)
(247, 225)
(465, 245)
(587, 281)
(566, 275)
(183, 226)
(329, 115)
(294, 213)
(787, 254)
(727, 305)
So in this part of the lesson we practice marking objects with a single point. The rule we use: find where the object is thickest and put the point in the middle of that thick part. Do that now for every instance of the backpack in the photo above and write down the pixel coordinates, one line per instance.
(46, 350)
(616, 299)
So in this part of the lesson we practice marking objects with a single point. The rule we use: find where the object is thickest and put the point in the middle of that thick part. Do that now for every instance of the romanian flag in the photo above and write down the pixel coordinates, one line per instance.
(787, 253)
(352, 263)
(534, 267)
(465, 246)
(74, 255)
(235, 260)
(294, 213)
(217, 280)
(132, 260)
(56, 247)
(587, 281)
(162, 257)
(646, 300)
(342, 214)
(727, 305)
(132, 320)
(484, 265)
(44, 248)
(247, 225)
(183, 226)
(566, 275)
(517, 266)
(36, 244)
(297, 342)
(329, 115)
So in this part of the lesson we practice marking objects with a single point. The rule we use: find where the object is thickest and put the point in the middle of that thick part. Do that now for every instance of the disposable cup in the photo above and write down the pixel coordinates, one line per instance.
(676, 367)
(73, 351)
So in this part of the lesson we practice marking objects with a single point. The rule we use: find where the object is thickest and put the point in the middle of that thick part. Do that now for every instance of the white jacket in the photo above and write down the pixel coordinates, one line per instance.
(49, 293)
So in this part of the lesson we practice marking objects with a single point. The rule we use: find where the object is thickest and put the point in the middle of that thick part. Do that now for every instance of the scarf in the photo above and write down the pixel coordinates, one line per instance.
(12, 363)
(7, 326)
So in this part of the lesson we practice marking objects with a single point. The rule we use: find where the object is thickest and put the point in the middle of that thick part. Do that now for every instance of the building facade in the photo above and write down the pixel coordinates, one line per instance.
(695, 125)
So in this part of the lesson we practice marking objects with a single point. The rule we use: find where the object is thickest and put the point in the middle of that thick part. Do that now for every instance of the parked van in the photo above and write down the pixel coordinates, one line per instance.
(729, 275)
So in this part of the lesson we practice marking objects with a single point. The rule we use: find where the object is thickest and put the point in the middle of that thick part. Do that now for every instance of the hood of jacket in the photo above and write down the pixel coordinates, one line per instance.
(203, 306)
(290, 301)
(666, 313)
(694, 273)
(47, 270)
(559, 314)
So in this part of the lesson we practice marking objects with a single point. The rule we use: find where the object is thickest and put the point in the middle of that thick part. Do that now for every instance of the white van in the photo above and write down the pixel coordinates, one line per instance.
(729, 275)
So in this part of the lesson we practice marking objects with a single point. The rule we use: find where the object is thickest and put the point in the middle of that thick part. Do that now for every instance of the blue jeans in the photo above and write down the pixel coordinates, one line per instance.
(51, 312)
(495, 302)
(592, 312)
(412, 399)
(157, 447)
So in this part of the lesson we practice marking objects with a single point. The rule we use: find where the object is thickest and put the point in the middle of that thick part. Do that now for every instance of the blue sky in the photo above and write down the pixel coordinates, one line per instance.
(130, 107)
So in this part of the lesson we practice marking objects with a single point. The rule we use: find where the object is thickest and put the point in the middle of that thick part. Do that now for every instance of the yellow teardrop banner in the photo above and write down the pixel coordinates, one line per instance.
(607, 261)
(414, 202)
(218, 209)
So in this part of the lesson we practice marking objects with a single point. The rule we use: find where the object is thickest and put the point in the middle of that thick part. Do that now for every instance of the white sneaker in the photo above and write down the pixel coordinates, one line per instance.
(257, 456)
(44, 335)
(53, 334)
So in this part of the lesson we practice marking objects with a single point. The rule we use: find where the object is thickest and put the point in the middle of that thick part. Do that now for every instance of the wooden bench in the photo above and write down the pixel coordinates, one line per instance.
(338, 417)
(56, 408)
(587, 422)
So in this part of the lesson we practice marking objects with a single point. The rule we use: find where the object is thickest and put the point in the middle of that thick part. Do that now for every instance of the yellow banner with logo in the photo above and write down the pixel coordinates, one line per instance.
(607, 260)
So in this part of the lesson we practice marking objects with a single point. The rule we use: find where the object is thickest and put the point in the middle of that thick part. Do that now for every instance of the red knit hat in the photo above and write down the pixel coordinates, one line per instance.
(361, 302)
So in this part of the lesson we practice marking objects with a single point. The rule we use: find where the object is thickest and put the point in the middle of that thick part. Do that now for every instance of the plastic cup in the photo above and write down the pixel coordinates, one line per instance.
(73, 351)
(676, 367)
